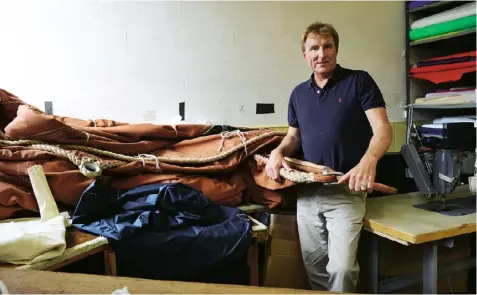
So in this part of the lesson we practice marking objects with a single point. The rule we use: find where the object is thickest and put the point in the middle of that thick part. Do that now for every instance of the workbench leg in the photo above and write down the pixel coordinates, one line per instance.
(253, 263)
(110, 262)
(471, 274)
(430, 268)
(373, 275)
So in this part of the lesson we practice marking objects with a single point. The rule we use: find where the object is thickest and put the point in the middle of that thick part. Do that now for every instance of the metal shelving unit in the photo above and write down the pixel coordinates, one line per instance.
(446, 106)
(433, 47)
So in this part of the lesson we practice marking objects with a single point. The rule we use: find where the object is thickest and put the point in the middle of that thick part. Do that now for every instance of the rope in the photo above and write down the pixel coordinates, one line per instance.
(21, 142)
(143, 158)
(91, 167)
(227, 134)
(295, 175)
(298, 176)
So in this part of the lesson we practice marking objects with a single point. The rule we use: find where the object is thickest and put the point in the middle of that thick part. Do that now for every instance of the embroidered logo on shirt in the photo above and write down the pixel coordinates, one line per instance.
(339, 100)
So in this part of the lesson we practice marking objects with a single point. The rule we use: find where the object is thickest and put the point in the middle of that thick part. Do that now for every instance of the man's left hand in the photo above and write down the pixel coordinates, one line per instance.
(361, 177)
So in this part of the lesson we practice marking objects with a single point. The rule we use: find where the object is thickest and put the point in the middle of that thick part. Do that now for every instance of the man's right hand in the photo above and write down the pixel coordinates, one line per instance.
(275, 163)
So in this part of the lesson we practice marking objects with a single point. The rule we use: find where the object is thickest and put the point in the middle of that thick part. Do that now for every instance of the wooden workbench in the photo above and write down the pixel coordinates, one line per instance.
(41, 282)
(394, 218)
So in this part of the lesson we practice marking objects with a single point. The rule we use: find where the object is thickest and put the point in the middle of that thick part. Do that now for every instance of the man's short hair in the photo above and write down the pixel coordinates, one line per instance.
(319, 28)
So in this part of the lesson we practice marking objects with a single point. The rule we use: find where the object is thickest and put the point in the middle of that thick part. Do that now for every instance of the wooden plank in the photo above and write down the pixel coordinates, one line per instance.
(304, 165)
(110, 268)
(259, 230)
(45, 282)
(55, 264)
(70, 255)
(257, 225)
(253, 208)
(252, 257)
(75, 237)
(79, 245)
(396, 217)
(386, 236)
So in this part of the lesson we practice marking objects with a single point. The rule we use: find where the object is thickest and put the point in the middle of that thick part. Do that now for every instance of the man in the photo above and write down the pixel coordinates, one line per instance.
(339, 119)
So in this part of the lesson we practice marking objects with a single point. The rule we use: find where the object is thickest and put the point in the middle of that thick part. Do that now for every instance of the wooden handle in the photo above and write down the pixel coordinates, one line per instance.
(309, 167)
(305, 165)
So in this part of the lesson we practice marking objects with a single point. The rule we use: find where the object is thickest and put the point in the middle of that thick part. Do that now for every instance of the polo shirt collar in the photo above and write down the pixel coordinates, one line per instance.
(338, 74)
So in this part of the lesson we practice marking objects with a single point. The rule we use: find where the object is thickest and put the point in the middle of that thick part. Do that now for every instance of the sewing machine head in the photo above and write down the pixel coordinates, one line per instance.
(438, 173)
(446, 174)
(441, 162)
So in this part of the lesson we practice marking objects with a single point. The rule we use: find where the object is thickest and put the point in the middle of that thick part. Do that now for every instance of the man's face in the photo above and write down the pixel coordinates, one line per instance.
(320, 54)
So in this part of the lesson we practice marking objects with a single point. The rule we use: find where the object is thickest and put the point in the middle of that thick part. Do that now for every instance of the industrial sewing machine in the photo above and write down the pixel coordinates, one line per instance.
(439, 170)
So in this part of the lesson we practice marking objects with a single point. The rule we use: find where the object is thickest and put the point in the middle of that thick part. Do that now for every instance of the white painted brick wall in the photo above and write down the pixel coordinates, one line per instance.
(128, 60)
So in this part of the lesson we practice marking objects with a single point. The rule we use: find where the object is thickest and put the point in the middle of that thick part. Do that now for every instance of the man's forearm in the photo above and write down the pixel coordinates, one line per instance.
(380, 143)
(288, 146)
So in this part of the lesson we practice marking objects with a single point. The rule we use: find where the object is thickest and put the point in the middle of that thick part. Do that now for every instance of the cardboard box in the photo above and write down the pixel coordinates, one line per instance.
(285, 268)
(286, 271)
(284, 227)
(284, 247)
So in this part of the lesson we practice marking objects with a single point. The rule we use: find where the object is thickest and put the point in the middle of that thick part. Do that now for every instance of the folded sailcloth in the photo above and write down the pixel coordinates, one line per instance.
(31, 240)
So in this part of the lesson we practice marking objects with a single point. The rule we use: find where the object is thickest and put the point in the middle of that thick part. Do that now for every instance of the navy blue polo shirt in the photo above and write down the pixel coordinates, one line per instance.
(335, 131)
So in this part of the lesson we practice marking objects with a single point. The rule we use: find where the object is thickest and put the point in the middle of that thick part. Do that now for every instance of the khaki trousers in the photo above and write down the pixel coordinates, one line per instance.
(330, 219)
